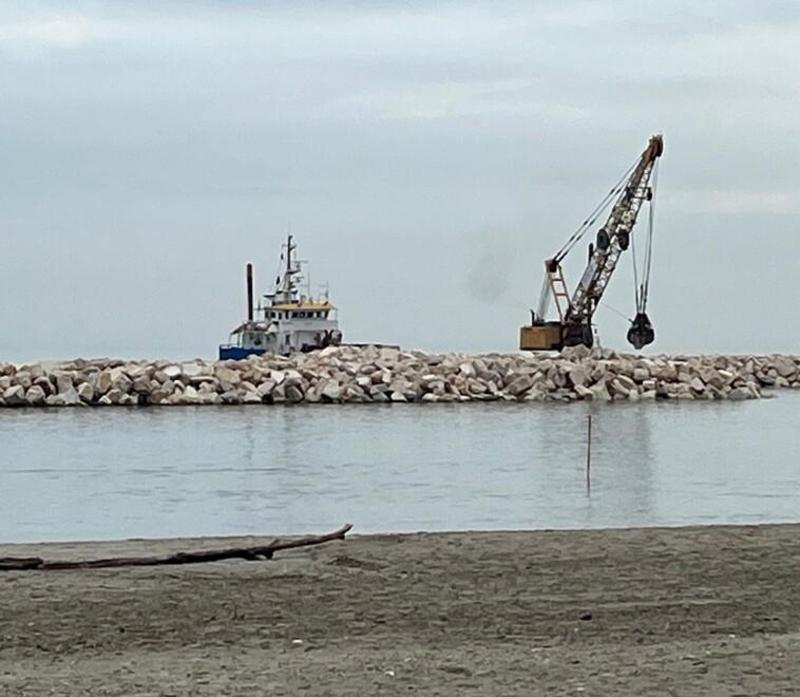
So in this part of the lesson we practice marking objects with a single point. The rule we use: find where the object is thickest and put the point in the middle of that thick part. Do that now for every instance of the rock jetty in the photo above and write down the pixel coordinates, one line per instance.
(349, 374)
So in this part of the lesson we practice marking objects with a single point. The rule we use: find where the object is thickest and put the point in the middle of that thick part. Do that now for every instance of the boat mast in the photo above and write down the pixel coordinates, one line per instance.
(288, 259)
(288, 287)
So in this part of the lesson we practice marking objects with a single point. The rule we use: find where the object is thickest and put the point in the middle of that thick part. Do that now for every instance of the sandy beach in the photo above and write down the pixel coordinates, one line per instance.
(688, 611)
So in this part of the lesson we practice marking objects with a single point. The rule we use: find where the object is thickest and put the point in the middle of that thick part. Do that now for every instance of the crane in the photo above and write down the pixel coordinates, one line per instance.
(575, 312)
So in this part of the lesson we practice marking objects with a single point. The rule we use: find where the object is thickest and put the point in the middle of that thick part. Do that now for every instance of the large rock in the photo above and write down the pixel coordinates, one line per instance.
(85, 392)
(141, 385)
(294, 393)
(14, 396)
(697, 385)
(519, 385)
(103, 382)
(576, 352)
(332, 391)
(23, 378)
(35, 396)
(628, 383)
(251, 397)
(467, 369)
(193, 370)
(120, 381)
(619, 388)
(265, 388)
(388, 355)
(578, 375)
(739, 393)
(380, 388)
(115, 396)
(70, 397)
(173, 372)
(278, 395)
(63, 382)
(600, 392)
(785, 367)
(228, 378)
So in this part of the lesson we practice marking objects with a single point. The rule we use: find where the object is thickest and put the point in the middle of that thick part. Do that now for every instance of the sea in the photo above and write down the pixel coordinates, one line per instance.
(109, 473)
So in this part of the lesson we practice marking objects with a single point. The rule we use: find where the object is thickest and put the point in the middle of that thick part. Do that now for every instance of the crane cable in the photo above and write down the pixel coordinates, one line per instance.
(592, 218)
(650, 229)
(642, 290)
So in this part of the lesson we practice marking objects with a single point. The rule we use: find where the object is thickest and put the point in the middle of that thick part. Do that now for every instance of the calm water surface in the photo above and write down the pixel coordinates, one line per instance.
(109, 473)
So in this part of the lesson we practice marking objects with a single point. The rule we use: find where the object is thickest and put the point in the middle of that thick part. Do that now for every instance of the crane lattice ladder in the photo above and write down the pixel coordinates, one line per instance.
(558, 287)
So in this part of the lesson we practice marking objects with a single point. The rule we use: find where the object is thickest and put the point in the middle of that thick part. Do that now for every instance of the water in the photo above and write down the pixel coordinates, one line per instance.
(112, 473)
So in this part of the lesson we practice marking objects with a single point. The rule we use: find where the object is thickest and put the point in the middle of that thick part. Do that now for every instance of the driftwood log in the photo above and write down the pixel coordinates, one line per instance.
(256, 553)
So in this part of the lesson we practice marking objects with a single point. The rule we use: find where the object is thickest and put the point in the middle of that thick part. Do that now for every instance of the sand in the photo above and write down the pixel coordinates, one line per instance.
(690, 611)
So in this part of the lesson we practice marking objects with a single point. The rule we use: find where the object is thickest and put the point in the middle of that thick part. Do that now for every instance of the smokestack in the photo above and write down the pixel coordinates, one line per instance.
(249, 292)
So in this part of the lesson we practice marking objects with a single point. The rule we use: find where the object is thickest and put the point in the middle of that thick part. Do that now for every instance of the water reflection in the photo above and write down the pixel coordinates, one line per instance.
(151, 472)
(622, 446)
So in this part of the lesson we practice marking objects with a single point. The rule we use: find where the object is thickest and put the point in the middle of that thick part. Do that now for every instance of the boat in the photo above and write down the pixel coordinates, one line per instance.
(288, 322)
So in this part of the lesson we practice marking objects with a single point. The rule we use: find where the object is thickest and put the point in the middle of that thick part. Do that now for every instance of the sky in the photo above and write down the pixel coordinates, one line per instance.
(428, 156)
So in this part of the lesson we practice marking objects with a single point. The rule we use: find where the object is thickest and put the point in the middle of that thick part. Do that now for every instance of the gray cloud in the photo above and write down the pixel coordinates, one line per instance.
(149, 152)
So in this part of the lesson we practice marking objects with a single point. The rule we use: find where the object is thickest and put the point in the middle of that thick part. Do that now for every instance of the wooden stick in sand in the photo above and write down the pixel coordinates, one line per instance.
(589, 454)
(200, 557)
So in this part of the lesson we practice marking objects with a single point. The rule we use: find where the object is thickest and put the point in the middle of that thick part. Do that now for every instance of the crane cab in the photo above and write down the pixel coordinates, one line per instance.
(544, 336)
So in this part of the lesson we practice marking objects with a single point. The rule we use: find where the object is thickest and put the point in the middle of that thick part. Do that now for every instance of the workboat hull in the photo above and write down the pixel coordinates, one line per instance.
(237, 353)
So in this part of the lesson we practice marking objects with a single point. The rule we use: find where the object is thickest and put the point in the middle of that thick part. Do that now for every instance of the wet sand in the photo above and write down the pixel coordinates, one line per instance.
(688, 611)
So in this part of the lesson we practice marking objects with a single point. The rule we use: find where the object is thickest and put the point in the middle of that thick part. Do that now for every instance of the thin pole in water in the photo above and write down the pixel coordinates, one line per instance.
(589, 453)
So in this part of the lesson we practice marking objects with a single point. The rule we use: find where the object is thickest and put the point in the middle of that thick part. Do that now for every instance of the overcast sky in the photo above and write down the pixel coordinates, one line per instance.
(428, 157)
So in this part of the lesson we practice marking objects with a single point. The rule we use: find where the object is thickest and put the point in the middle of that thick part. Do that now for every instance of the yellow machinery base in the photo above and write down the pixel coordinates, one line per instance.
(540, 337)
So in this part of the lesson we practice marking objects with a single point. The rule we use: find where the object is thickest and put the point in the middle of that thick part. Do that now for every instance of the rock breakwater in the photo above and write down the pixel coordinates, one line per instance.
(348, 374)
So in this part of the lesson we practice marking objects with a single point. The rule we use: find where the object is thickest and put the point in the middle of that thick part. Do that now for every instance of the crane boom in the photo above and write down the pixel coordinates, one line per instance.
(613, 238)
